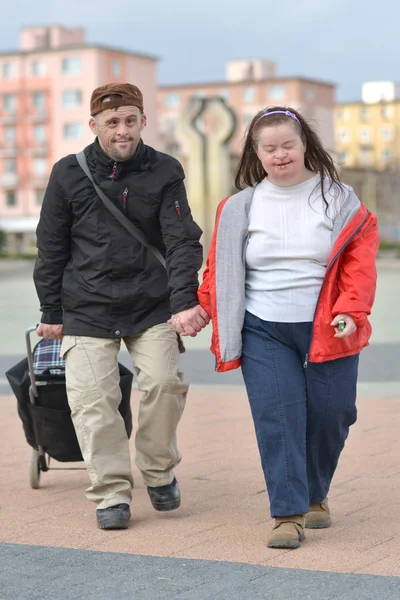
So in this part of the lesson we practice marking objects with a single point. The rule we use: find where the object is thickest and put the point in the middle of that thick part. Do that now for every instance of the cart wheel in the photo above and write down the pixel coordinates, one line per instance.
(34, 470)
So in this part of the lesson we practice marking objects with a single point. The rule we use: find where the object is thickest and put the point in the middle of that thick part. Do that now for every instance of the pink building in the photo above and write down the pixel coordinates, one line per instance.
(250, 86)
(44, 112)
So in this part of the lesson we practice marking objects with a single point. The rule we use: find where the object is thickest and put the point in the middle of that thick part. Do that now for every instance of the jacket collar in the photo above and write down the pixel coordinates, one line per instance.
(103, 165)
(351, 216)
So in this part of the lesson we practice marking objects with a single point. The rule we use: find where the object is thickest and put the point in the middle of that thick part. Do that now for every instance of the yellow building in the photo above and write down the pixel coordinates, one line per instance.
(367, 135)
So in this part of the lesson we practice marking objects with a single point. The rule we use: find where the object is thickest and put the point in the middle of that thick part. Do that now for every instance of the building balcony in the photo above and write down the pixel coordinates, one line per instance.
(11, 117)
(38, 180)
(8, 151)
(8, 180)
(38, 149)
(38, 116)
(8, 118)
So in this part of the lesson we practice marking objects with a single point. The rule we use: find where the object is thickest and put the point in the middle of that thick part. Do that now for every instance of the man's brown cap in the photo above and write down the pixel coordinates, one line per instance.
(113, 95)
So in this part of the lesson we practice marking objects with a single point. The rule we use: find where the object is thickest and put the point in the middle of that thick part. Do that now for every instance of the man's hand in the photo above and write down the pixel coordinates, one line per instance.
(49, 332)
(190, 321)
(350, 326)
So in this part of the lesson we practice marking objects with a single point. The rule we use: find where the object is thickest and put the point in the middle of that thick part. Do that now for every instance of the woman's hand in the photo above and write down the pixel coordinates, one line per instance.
(349, 328)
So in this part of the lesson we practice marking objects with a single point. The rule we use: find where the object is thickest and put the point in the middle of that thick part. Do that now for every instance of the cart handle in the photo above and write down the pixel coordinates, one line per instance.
(30, 359)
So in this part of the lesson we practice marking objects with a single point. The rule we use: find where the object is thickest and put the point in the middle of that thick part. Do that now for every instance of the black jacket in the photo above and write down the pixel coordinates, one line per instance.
(91, 274)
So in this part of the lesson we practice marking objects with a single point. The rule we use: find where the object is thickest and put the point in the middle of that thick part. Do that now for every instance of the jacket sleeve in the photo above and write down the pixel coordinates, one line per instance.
(184, 253)
(204, 293)
(204, 290)
(53, 236)
(357, 276)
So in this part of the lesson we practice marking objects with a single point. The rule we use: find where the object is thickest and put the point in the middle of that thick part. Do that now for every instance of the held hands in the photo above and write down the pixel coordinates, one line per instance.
(349, 328)
(190, 321)
(49, 332)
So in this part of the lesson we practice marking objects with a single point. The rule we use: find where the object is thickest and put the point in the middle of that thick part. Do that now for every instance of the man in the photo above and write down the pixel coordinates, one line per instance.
(98, 285)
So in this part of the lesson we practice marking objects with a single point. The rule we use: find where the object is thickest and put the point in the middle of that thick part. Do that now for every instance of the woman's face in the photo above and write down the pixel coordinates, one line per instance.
(281, 152)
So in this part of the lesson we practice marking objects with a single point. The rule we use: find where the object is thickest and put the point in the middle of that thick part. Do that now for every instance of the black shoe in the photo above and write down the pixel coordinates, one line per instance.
(166, 497)
(113, 517)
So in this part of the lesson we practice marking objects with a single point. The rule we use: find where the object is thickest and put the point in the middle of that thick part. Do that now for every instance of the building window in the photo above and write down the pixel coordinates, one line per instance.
(38, 68)
(343, 134)
(9, 102)
(309, 93)
(277, 92)
(71, 98)
(343, 156)
(365, 114)
(10, 165)
(39, 195)
(116, 68)
(8, 70)
(365, 135)
(39, 100)
(72, 131)
(248, 94)
(9, 135)
(224, 94)
(72, 66)
(39, 133)
(172, 100)
(387, 112)
(386, 155)
(201, 94)
(343, 114)
(40, 167)
(11, 198)
(386, 132)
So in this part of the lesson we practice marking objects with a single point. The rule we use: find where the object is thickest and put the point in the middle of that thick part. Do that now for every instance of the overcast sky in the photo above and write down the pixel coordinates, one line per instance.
(342, 41)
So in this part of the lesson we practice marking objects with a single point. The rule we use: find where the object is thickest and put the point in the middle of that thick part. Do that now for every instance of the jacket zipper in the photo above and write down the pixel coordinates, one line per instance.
(177, 207)
(125, 196)
(114, 170)
(338, 253)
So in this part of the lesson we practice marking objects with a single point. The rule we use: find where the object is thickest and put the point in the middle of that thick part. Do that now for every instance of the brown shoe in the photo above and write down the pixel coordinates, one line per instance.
(319, 516)
(287, 533)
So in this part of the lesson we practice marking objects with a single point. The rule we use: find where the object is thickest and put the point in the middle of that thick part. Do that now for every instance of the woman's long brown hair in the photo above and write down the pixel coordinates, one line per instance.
(250, 170)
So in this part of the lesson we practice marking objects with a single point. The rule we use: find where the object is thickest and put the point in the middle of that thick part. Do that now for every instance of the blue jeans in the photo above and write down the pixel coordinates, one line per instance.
(301, 415)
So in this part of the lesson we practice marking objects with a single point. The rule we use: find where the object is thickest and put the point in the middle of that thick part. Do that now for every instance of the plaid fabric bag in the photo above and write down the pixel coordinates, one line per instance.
(47, 359)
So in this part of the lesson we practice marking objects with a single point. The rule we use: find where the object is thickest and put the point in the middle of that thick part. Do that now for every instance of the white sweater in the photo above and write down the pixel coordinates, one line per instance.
(290, 241)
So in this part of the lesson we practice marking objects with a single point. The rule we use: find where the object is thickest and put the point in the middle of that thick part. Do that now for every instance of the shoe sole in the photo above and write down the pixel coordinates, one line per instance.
(165, 506)
(318, 525)
(289, 544)
(113, 524)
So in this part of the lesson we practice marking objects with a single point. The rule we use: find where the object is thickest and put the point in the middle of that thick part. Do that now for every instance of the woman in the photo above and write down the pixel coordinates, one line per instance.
(289, 285)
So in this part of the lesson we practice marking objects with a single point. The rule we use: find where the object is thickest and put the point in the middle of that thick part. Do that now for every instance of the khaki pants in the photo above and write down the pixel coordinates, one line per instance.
(92, 380)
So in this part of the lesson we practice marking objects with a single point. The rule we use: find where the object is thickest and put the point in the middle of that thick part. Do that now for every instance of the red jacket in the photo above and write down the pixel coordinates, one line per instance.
(349, 287)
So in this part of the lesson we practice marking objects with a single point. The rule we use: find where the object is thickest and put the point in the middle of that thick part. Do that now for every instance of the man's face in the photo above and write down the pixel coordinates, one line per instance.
(118, 131)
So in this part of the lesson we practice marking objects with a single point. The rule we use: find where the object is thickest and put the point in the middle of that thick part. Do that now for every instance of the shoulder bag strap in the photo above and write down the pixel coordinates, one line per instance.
(129, 226)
